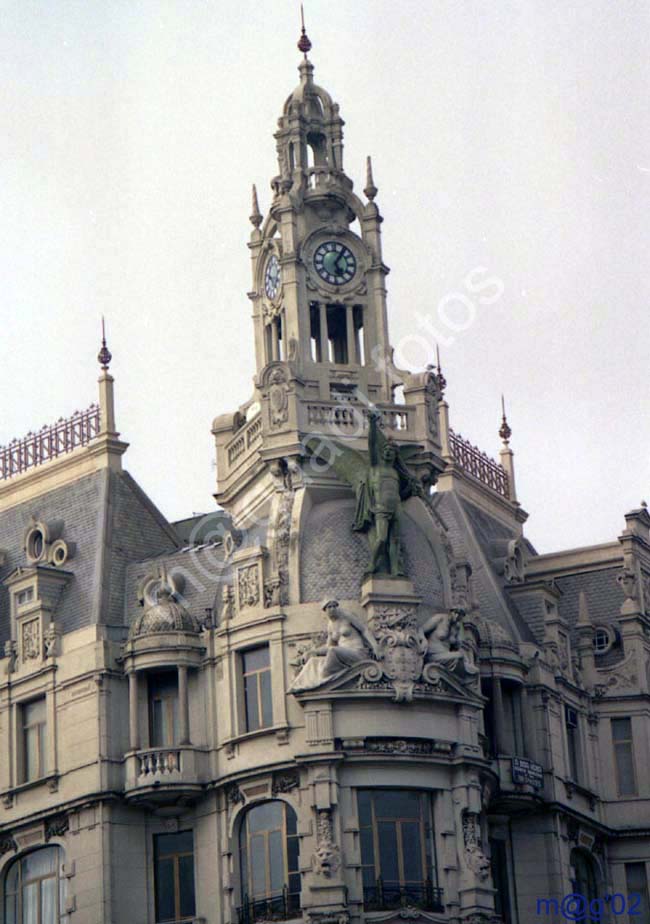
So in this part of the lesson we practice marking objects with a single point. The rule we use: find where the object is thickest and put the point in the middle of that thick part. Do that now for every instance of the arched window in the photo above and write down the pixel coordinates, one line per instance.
(34, 888)
(268, 857)
(585, 880)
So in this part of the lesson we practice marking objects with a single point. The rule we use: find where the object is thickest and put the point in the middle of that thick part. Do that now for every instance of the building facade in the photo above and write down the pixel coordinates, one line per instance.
(352, 693)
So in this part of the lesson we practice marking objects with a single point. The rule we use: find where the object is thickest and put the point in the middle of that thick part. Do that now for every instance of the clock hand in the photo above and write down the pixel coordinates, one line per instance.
(337, 264)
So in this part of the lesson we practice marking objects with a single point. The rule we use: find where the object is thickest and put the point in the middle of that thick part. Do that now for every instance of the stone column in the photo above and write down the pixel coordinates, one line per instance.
(183, 706)
(324, 343)
(527, 721)
(349, 330)
(499, 716)
(134, 737)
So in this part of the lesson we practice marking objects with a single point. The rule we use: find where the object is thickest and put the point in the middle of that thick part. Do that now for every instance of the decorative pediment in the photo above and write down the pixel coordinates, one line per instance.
(371, 676)
(395, 654)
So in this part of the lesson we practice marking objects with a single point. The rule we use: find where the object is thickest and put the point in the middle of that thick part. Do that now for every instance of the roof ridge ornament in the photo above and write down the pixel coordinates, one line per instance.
(304, 44)
(504, 430)
(256, 216)
(441, 381)
(370, 190)
(104, 356)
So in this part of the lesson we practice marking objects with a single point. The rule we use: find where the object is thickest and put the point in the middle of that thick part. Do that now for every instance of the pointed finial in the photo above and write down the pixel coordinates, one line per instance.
(371, 189)
(304, 44)
(440, 379)
(504, 430)
(104, 356)
(255, 216)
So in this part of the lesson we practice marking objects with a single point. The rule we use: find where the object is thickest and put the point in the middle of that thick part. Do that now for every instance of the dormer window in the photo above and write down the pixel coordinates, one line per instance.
(34, 593)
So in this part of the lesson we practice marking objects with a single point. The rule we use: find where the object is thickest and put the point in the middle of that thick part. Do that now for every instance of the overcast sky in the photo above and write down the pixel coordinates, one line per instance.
(511, 135)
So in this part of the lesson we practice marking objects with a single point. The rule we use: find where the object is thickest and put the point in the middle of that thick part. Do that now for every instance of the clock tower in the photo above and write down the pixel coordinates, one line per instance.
(319, 307)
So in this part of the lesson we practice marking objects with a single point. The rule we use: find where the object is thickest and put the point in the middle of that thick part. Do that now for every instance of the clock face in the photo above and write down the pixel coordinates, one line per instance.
(272, 277)
(335, 263)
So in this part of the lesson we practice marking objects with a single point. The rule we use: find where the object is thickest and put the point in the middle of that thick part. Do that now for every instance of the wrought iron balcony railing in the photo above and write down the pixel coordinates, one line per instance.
(279, 907)
(387, 895)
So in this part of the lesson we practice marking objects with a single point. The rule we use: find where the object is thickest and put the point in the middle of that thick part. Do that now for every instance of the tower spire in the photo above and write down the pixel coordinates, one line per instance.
(304, 44)
(106, 398)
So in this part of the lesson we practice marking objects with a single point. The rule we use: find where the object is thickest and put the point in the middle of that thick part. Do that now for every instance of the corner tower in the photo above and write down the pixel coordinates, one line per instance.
(322, 348)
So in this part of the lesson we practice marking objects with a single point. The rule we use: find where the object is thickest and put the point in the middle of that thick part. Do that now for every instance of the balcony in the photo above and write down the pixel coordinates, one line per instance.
(165, 776)
(279, 907)
(388, 896)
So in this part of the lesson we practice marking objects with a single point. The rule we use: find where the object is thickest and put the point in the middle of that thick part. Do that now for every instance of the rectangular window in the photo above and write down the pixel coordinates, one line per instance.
(636, 882)
(24, 596)
(573, 742)
(163, 710)
(174, 877)
(34, 739)
(258, 698)
(624, 756)
(397, 854)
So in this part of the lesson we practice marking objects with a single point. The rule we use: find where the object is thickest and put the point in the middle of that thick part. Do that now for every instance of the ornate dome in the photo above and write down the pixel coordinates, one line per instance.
(167, 615)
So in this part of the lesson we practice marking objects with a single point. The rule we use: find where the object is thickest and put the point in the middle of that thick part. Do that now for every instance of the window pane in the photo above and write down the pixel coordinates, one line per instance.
(48, 901)
(367, 847)
(168, 844)
(186, 877)
(363, 802)
(276, 861)
(412, 851)
(30, 904)
(621, 729)
(34, 712)
(11, 882)
(389, 868)
(39, 863)
(625, 769)
(258, 864)
(31, 753)
(165, 905)
(265, 817)
(637, 884)
(41, 749)
(292, 853)
(250, 697)
(267, 699)
(256, 659)
(10, 910)
(397, 804)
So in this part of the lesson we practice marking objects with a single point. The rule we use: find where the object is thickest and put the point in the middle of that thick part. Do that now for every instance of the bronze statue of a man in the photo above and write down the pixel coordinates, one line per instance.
(381, 482)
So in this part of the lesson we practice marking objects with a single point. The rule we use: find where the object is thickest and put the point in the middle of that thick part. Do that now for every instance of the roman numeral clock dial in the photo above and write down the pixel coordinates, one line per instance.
(335, 263)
